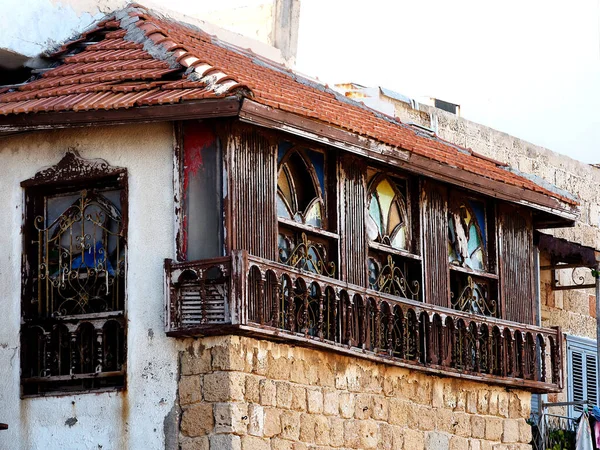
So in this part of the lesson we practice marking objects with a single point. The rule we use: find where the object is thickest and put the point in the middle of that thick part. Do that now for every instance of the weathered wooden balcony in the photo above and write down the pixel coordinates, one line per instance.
(243, 294)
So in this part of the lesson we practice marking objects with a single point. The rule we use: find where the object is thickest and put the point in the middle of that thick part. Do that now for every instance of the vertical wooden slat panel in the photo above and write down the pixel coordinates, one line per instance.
(352, 209)
(516, 263)
(435, 243)
(253, 180)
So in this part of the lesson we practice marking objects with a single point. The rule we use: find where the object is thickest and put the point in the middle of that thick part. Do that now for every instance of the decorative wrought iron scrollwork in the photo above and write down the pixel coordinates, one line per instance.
(473, 298)
(81, 258)
(391, 279)
(306, 255)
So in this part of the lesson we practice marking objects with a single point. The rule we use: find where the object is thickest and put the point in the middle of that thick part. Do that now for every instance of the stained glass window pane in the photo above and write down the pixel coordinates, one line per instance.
(477, 259)
(313, 216)
(375, 213)
(283, 183)
(394, 218)
(372, 228)
(282, 210)
(386, 195)
(479, 211)
(474, 239)
(399, 239)
(318, 161)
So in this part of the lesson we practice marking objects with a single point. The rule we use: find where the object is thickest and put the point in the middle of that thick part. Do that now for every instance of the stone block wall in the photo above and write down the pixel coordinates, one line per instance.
(249, 394)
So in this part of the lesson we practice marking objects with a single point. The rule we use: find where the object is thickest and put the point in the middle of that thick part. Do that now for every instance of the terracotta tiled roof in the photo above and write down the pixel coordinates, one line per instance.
(138, 58)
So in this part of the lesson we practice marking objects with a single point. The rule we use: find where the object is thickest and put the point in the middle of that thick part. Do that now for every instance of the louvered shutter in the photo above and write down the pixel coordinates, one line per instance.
(582, 373)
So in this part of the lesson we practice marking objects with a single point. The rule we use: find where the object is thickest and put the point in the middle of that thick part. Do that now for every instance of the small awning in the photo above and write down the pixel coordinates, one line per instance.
(565, 253)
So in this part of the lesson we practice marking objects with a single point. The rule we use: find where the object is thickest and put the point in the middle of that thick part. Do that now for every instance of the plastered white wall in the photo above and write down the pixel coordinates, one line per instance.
(30, 27)
(135, 418)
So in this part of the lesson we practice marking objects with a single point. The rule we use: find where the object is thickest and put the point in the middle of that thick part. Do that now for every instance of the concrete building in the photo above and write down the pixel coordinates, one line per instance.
(208, 251)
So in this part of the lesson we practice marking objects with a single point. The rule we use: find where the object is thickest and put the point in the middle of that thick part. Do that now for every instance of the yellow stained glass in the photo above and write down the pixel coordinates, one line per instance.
(283, 183)
(394, 219)
(385, 192)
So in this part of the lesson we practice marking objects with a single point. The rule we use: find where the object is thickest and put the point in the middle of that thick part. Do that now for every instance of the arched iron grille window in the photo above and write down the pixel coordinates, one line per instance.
(393, 267)
(304, 240)
(73, 332)
(473, 282)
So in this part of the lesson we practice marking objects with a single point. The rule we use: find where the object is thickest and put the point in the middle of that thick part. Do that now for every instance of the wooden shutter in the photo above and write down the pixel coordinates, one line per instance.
(352, 217)
(252, 172)
(582, 371)
(435, 243)
(515, 255)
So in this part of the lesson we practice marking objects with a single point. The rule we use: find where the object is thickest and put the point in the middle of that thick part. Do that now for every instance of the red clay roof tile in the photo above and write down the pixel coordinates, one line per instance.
(119, 72)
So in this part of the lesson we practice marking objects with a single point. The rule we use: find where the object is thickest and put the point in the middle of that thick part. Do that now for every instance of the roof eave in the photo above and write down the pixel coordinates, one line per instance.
(193, 109)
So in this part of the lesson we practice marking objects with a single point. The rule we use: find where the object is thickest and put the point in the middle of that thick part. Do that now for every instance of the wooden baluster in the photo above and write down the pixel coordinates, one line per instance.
(202, 285)
(99, 350)
(377, 331)
(275, 312)
(348, 337)
(416, 340)
(390, 331)
(305, 316)
(73, 343)
(362, 324)
(521, 351)
(337, 332)
(320, 333)
(290, 304)
(261, 298)
(555, 362)
(543, 360)
(47, 360)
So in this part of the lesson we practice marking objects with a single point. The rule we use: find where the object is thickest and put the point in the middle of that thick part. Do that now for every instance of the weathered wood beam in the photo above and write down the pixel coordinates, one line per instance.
(200, 109)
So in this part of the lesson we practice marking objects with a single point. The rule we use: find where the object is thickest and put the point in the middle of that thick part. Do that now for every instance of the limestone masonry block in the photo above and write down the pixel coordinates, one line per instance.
(190, 390)
(458, 443)
(346, 405)
(256, 417)
(478, 427)
(272, 424)
(307, 428)
(284, 394)
(331, 402)
(255, 443)
(290, 425)
(225, 442)
(435, 440)
(299, 402)
(511, 430)
(200, 443)
(413, 439)
(368, 434)
(231, 418)
(314, 400)
(336, 432)
(224, 386)
(494, 427)
(268, 392)
(197, 420)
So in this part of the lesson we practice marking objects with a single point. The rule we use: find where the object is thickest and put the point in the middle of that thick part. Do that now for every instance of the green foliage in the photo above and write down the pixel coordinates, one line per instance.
(561, 440)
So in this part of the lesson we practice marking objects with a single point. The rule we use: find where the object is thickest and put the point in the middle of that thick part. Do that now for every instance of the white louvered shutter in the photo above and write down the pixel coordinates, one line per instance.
(582, 373)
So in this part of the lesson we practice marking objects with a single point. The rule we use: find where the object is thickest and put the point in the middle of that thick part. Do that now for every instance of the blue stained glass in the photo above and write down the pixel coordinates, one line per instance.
(375, 213)
(479, 211)
(283, 147)
(282, 210)
(474, 242)
(318, 161)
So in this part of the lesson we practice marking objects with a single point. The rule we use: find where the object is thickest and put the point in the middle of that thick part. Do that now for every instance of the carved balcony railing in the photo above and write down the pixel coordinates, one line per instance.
(249, 295)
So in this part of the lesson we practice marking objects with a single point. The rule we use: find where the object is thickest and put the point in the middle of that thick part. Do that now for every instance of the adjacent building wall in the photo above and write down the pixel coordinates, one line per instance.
(243, 393)
(144, 415)
(268, 27)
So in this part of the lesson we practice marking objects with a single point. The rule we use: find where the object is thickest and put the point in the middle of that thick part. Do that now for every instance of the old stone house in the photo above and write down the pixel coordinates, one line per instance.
(205, 250)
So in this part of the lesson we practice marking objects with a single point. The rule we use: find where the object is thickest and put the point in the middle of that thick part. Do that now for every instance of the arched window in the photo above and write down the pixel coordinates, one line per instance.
(387, 221)
(305, 241)
(300, 186)
(466, 235)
